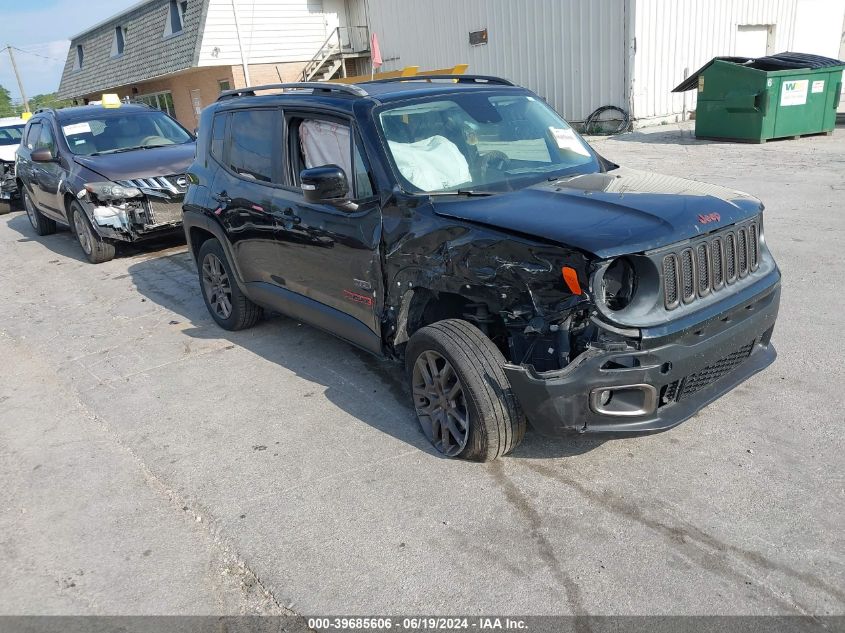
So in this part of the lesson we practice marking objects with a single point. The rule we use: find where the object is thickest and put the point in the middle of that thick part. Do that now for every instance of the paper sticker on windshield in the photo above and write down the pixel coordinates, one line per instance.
(77, 128)
(566, 139)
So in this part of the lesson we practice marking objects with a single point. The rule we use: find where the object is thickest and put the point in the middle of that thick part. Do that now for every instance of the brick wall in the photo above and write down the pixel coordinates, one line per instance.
(180, 85)
(268, 73)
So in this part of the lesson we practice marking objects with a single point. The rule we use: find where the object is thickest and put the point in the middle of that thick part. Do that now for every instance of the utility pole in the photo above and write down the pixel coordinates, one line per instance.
(18, 77)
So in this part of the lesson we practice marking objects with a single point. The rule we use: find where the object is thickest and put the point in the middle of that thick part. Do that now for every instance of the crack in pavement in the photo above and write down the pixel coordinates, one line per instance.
(685, 535)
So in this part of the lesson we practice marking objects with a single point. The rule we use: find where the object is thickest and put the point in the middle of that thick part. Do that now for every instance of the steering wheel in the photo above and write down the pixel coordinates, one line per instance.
(155, 140)
(495, 159)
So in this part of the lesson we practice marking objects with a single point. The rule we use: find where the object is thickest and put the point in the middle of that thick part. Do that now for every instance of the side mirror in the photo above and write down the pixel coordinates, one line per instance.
(325, 185)
(42, 156)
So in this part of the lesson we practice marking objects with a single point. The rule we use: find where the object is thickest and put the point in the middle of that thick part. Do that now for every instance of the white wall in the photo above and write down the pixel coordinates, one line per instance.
(672, 36)
(818, 27)
(572, 52)
(271, 31)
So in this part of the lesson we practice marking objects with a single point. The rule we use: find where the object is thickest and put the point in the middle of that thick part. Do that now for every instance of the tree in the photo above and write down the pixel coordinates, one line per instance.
(48, 100)
(6, 107)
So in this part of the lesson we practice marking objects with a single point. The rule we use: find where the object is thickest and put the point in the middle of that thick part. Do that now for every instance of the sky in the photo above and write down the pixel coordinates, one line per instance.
(44, 27)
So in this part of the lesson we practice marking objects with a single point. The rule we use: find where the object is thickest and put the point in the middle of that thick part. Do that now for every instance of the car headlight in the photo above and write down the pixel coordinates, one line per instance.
(111, 191)
(618, 284)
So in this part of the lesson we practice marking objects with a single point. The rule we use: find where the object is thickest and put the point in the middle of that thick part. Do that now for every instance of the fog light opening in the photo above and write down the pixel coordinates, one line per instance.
(624, 401)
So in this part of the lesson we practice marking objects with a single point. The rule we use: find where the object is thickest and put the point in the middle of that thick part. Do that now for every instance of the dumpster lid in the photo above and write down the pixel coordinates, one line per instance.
(781, 61)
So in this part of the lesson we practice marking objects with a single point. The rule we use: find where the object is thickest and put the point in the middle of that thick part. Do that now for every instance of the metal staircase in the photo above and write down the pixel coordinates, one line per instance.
(343, 43)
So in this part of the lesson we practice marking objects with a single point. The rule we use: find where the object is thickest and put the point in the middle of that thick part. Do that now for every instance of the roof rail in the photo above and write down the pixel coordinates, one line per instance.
(461, 79)
(349, 89)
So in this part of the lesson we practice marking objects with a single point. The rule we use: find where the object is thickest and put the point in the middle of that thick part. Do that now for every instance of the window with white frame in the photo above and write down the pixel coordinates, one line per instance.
(175, 22)
(118, 41)
(160, 100)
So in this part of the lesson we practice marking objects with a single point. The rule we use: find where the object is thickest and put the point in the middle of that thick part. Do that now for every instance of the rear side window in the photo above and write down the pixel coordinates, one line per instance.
(218, 136)
(254, 148)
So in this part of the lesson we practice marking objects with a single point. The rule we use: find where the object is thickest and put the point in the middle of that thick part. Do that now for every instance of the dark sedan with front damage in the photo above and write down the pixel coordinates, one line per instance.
(112, 174)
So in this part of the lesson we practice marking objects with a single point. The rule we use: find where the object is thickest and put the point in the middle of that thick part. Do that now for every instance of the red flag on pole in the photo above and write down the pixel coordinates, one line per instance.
(375, 54)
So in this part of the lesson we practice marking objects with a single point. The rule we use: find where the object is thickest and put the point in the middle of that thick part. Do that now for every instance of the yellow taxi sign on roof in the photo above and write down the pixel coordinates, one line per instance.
(110, 100)
(26, 116)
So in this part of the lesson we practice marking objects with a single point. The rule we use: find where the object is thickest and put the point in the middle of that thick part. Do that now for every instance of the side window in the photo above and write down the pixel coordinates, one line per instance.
(325, 143)
(254, 140)
(363, 183)
(46, 139)
(32, 135)
(218, 135)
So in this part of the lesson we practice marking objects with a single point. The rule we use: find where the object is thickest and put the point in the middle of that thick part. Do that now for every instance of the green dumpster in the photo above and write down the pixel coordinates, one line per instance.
(754, 100)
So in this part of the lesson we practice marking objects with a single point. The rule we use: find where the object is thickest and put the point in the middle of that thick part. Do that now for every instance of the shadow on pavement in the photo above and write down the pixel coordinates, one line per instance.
(63, 242)
(371, 389)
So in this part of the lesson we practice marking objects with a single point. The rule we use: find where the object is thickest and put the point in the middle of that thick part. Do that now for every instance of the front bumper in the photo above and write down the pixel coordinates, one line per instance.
(8, 184)
(687, 370)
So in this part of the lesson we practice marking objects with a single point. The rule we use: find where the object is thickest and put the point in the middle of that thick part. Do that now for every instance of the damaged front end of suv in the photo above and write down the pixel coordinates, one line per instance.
(135, 209)
(621, 301)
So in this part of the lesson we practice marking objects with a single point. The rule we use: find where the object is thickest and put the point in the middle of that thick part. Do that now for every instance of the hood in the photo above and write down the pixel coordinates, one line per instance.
(609, 214)
(158, 161)
(7, 152)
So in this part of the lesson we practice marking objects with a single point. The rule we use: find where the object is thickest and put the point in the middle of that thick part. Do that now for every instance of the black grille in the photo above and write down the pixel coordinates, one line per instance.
(670, 280)
(718, 261)
(702, 259)
(710, 263)
(730, 258)
(710, 374)
(742, 252)
(687, 276)
(753, 248)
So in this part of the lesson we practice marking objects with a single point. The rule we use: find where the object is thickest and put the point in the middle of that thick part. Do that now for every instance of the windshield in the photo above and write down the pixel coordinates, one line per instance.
(115, 133)
(481, 143)
(11, 135)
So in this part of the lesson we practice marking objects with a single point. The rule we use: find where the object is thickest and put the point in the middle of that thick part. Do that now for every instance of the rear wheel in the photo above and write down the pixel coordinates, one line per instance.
(228, 306)
(42, 225)
(96, 249)
(462, 397)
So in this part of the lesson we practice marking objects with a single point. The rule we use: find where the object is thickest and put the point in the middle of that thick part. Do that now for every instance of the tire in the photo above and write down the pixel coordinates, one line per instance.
(228, 306)
(96, 249)
(42, 225)
(493, 421)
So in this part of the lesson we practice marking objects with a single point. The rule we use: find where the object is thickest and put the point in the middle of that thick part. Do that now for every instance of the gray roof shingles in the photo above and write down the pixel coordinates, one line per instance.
(147, 53)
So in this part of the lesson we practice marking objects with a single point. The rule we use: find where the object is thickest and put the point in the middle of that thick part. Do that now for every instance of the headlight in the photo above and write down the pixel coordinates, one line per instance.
(619, 284)
(111, 191)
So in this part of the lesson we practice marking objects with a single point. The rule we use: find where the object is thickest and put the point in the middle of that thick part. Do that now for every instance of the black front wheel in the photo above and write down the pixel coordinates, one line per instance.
(462, 398)
(228, 306)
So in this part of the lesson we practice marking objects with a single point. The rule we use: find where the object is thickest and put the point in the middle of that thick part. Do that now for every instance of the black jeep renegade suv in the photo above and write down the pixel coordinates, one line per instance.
(460, 224)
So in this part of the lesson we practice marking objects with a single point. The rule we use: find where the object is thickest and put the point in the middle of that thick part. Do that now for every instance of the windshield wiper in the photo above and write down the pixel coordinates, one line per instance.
(462, 192)
(128, 149)
(115, 151)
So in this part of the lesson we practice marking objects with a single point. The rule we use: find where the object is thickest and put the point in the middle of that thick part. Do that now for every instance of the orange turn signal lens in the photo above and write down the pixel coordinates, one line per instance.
(571, 279)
